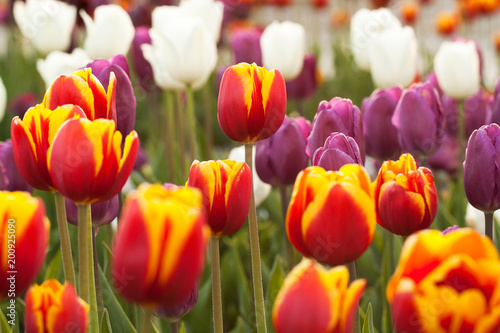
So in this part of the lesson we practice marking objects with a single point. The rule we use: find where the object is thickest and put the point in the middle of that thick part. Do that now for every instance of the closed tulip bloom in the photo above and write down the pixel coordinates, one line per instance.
(160, 245)
(313, 299)
(24, 229)
(338, 151)
(457, 67)
(304, 85)
(141, 66)
(102, 213)
(14, 180)
(405, 196)
(280, 158)
(52, 307)
(109, 33)
(245, 44)
(210, 11)
(226, 187)
(337, 115)
(495, 107)
(446, 282)
(61, 63)
(284, 48)
(393, 57)
(419, 120)
(252, 102)
(331, 216)
(48, 24)
(177, 311)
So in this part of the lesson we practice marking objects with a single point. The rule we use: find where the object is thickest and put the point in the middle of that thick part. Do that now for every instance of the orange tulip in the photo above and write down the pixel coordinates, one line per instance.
(447, 22)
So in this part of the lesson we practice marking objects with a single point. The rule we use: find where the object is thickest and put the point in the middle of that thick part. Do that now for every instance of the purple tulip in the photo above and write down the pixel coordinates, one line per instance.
(446, 157)
(10, 179)
(142, 67)
(177, 311)
(304, 85)
(419, 120)
(21, 103)
(337, 151)
(102, 212)
(245, 44)
(432, 79)
(280, 158)
(337, 115)
(380, 134)
(481, 172)
(495, 118)
(141, 159)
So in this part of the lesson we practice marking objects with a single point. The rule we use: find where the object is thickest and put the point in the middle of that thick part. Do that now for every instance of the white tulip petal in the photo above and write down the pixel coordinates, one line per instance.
(3, 99)
(209, 11)
(61, 63)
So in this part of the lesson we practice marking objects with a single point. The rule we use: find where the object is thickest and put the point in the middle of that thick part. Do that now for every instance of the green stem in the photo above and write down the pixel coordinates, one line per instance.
(352, 277)
(488, 225)
(174, 326)
(170, 135)
(191, 123)
(146, 325)
(120, 203)
(181, 127)
(207, 99)
(288, 245)
(97, 278)
(462, 201)
(258, 290)
(66, 254)
(216, 285)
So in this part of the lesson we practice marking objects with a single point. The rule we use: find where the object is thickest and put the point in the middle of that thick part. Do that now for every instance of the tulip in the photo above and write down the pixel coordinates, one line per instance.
(3, 99)
(337, 115)
(22, 216)
(331, 216)
(393, 57)
(338, 150)
(405, 197)
(245, 44)
(109, 33)
(210, 12)
(446, 157)
(175, 312)
(381, 137)
(15, 182)
(446, 283)
(52, 307)
(418, 117)
(21, 103)
(61, 63)
(48, 24)
(409, 11)
(284, 48)
(447, 22)
(280, 158)
(313, 299)
(102, 213)
(141, 159)
(252, 102)
(367, 25)
(495, 107)
(432, 79)
(457, 67)
(226, 187)
(141, 65)
(159, 223)
(304, 85)
(85, 160)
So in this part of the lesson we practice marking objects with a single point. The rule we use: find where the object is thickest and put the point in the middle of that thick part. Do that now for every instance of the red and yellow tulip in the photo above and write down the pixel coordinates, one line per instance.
(85, 160)
(406, 197)
(313, 299)
(446, 282)
(331, 216)
(226, 188)
(52, 307)
(24, 237)
(32, 137)
(252, 102)
(160, 246)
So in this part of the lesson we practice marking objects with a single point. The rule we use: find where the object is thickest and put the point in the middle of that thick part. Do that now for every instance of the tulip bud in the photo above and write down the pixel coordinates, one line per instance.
(61, 63)
(226, 188)
(280, 158)
(23, 217)
(338, 150)
(381, 137)
(313, 299)
(159, 223)
(141, 65)
(245, 44)
(405, 197)
(252, 102)
(102, 213)
(14, 180)
(304, 85)
(52, 307)
(177, 311)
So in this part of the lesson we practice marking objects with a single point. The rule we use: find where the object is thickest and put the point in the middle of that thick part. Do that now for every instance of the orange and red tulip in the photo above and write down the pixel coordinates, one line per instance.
(85, 160)
(313, 299)
(405, 197)
(252, 102)
(446, 282)
(159, 249)
(331, 216)
(24, 237)
(226, 187)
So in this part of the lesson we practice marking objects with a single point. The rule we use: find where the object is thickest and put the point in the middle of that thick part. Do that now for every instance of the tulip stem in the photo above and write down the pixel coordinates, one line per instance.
(146, 325)
(216, 285)
(352, 277)
(66, 254)
(191, 122)
(97, 278)
(208, 121)
(288, 245)
(174, 326)
(488, 224)
(182, 133)
(258, 290)
(462, 200)
(170, 137)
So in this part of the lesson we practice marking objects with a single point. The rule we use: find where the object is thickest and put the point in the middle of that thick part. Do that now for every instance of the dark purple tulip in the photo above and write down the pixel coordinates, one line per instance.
(419, 120)
(304, 85)
(234, 10)
(280, 158)
(177, 311)
(381, 136)
(141, 159)
(125, 98)
(21, 103)
(10, 179)
(337, 151)
(495, 118)
(102, 212)
(337, 115)
(481, 172)
(142, 67)
(446, 157)
(245, 44)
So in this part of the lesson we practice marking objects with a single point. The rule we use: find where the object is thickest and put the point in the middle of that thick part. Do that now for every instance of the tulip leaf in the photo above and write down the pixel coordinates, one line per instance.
(368, 323)
(202, 309)
(53, 270)
(4, 326)
(106, 325)
(276, 278)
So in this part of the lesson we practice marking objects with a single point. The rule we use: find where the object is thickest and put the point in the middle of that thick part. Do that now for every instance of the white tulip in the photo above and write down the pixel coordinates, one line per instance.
(110, 33)
(3, 99)
(210, 11)
(366, 25)
(456, 65)
(393, 58)
(61, 63)
(283, 47)
(48, 24)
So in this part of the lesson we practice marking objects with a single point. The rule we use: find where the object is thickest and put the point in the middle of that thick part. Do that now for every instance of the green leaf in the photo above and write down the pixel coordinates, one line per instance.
(54, 270)
(106, 325)
(182, 329)
(4, 326)
(368, 324)
(276, 277)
